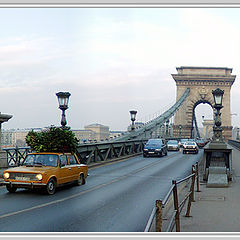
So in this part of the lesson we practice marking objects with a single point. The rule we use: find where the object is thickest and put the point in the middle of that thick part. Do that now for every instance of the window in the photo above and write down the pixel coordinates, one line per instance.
(72, 159)
(63, 160)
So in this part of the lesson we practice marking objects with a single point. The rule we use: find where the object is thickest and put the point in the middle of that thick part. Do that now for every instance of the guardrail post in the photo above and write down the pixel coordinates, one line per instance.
(17, 158)
(176, 207)
(193, 182)
(158, 215)
(191, 196)
(197, 174)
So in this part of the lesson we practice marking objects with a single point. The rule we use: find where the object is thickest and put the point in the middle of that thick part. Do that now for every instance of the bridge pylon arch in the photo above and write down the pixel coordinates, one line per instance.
(201, 81)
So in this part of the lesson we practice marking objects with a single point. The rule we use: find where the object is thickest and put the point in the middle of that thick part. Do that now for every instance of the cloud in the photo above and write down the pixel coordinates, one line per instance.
(202, 38)
(111, 66)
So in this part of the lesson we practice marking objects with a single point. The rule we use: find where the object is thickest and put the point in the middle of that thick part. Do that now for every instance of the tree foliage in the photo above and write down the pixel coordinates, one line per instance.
(54, 139)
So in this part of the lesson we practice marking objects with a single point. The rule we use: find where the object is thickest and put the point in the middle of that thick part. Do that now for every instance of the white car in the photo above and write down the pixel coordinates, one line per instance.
(173, 145)
(190, 147)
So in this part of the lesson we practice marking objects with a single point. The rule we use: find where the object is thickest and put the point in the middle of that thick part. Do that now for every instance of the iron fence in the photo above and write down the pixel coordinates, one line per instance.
(87, 153)
(234, 143)
(102, 152)
(157, 212)
(16, 155)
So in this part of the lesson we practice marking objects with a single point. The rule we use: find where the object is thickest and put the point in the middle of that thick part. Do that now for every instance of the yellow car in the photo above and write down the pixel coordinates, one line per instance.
(46, 170)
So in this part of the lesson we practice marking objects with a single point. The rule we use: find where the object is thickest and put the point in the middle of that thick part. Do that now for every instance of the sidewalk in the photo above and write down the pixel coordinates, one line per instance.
(216, 209)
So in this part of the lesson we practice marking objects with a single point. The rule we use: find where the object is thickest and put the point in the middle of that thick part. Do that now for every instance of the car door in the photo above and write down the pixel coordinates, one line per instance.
(65, 170)
(74, 166)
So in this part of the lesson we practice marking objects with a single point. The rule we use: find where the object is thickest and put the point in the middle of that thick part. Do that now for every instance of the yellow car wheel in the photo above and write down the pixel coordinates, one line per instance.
(11, 189)
(81, 180)
(51, 186)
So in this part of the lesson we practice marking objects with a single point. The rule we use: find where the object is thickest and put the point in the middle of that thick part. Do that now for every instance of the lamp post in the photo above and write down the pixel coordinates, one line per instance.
(217, 129)
(167, 128)
(133, 114)
(63, 99)
(171, 130)
(180, 128)
(217, 154)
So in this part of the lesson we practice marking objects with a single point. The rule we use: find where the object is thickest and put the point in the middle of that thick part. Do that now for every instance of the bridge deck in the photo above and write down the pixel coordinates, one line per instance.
(216, 209)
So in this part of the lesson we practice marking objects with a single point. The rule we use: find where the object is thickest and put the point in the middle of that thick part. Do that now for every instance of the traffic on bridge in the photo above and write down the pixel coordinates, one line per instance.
(117, 197)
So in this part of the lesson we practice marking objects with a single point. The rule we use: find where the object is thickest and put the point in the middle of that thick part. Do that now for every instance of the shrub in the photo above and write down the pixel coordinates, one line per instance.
(55, 139)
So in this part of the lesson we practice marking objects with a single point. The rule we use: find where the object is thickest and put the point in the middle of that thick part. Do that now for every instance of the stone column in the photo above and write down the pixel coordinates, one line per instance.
(3, 154)
(201, 81)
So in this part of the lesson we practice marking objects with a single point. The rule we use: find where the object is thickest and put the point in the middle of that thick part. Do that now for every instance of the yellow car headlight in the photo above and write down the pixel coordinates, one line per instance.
(6, 175)
(39, 176)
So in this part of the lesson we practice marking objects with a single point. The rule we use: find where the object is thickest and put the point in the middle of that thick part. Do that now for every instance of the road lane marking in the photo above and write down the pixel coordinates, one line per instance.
(81, 193)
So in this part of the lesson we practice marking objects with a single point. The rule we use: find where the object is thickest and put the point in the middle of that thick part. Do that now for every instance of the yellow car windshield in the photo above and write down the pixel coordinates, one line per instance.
(41, 160)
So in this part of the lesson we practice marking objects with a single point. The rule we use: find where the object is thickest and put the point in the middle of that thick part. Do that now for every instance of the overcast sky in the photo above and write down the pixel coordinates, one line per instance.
(111, 60)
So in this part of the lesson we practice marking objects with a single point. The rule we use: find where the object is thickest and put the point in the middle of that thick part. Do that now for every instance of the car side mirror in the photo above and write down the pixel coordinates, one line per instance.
(62, 164)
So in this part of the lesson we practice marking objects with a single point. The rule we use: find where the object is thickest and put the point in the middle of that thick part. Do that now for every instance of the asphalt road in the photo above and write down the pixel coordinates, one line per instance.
(117, 197)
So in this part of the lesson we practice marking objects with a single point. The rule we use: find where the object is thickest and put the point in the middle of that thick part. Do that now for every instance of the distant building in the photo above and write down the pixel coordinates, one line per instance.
(7, 138)
(102, 132)
(90, 133)
(15, 137)
(115, 134)
(85, 135)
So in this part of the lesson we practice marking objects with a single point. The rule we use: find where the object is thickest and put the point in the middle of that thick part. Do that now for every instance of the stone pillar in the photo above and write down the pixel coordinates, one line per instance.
(201, 81)
(3, 154)
(3, 159)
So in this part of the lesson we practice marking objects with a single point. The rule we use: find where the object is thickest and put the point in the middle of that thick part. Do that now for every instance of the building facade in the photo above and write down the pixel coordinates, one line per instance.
(102, 132)
(16, 137)
(90, 133)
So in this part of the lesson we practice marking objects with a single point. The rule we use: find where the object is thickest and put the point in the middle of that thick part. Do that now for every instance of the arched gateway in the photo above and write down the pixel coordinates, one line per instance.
(201, 81)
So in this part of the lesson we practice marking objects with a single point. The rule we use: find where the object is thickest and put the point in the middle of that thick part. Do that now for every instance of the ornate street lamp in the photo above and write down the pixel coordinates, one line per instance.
(180, 128)
(167, 128)
(217, 129)
(217, 154)
(63, 98)
(218, 96)
(171, 129)
(133, 114)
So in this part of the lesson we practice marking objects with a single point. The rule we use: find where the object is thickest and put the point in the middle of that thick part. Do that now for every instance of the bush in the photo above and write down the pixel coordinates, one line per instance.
(55, 139)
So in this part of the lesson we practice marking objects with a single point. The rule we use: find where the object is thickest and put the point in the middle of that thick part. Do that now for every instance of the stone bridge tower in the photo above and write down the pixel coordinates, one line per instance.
(201, 81)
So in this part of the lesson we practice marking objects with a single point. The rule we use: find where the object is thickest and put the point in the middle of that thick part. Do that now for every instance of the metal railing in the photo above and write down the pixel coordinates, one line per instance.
(101, 152)
(16, 155)
(234, 143)
(174, 221)
(87, 153)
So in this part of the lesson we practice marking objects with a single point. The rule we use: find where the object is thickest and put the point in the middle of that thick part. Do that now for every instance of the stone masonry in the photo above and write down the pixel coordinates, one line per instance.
(201, 81)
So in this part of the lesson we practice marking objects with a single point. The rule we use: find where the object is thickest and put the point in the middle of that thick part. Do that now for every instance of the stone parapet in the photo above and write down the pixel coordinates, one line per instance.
(3, 159)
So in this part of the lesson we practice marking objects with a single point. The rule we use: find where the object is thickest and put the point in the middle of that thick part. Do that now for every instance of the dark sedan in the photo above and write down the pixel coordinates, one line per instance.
(155, 147)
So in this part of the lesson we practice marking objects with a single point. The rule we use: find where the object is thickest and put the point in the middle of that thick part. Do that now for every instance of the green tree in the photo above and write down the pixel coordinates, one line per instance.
(54, 139)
